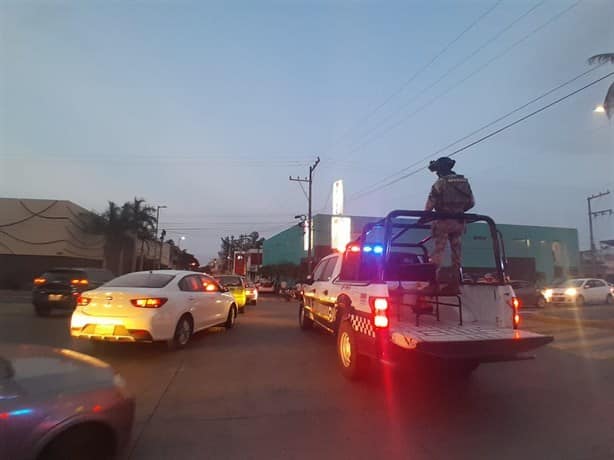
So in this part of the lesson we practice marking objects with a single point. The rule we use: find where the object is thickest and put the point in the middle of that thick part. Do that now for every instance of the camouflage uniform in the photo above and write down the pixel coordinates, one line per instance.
(450, 193)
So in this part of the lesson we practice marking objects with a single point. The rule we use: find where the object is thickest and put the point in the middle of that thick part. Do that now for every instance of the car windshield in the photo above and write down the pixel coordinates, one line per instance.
(63, 275)
(230, 281)
(141, 280)
(571, 283)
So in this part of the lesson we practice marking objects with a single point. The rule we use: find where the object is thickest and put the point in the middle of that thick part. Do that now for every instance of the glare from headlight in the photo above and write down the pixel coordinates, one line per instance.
(571, 292)
(548, 293)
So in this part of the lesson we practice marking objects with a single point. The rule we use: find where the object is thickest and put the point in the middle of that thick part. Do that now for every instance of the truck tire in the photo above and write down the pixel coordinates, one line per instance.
(304, 321)
(354, 366)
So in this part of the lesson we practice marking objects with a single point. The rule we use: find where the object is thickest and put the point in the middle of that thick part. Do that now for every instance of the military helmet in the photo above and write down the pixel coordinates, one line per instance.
(442, 164)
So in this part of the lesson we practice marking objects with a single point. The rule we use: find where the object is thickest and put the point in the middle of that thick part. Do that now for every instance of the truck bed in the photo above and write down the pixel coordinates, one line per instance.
(447, 339)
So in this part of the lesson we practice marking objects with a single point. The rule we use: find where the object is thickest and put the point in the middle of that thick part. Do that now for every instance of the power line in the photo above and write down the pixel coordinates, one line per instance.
(369, 138)
(416, 74)
(488, 136)
(486, 126)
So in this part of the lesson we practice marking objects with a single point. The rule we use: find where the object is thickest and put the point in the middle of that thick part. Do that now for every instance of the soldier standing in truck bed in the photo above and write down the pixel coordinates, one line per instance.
(451, 193)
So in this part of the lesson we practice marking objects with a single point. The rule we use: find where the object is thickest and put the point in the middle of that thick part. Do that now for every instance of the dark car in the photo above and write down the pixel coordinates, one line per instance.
(59, 288)
(528, 294)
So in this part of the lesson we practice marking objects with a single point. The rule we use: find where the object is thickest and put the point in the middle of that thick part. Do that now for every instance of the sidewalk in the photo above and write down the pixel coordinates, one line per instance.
(599, 316)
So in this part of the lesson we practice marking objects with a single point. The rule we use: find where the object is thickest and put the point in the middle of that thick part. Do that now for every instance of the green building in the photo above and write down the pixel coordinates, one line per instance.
(533, 253)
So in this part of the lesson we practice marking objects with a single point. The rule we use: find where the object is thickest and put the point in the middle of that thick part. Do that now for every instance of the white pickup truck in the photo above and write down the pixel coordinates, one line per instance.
(385, 302)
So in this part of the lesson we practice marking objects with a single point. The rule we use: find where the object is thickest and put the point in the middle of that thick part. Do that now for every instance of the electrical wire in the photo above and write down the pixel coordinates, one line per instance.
(416, 74)
(491, 134)
(372, 135)
(486, 126)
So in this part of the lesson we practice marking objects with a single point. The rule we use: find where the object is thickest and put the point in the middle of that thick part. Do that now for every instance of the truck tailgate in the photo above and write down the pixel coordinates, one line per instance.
(472, 341)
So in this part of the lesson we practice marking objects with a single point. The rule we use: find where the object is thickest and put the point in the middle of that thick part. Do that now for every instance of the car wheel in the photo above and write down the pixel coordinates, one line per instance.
(609, 299)
(91, 441)
(354, 366)
(232, 317)
(42, 310)
(183, 333)
(304, 321)
(541, 302)
(579, 301)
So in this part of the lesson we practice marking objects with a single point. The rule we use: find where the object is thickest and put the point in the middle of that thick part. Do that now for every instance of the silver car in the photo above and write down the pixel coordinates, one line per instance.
(59, 404)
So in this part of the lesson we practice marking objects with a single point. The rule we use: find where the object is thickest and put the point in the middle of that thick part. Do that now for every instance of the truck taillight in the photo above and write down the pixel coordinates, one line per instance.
(514, 303)
(379, 306)
(152, 302)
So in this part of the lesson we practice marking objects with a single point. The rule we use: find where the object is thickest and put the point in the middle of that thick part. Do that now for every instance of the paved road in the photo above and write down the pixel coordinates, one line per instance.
(266, 390)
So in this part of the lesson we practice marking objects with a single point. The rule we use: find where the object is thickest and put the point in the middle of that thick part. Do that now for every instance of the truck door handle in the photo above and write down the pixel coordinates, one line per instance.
(325, 292)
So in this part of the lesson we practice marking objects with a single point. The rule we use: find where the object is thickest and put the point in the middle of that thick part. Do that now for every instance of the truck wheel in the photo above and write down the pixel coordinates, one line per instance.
(304, 321)
(354, 366)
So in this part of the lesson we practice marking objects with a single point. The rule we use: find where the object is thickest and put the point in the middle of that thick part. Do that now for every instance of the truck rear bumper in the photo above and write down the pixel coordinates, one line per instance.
(473, 342)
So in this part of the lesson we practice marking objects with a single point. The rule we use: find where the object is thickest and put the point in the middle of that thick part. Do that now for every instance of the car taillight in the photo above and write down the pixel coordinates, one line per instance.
(79, 282)
(83, 301)
(152, 302)
(39, 281)
(380, 311)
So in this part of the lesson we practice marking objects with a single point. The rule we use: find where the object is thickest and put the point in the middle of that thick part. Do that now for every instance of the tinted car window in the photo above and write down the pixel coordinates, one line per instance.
(327, 272)
(142, 280)
(191, 283)
(63, 275)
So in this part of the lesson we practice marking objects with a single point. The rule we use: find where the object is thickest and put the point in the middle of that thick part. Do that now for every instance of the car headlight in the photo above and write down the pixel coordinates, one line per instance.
(548, 293)
(571, 292)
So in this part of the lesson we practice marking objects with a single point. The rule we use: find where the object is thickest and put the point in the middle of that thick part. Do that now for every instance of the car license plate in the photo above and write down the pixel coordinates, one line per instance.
(55, 297)
(105, 329)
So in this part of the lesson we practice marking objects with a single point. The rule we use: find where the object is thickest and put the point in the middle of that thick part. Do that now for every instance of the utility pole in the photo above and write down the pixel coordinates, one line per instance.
(592, 214)
(309, 181)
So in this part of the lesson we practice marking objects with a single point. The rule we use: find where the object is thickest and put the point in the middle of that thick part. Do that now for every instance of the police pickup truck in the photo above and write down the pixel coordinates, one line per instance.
(386, 302)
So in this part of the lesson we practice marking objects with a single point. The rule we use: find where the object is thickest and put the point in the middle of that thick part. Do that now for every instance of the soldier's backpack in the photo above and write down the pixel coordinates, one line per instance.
(456, 194)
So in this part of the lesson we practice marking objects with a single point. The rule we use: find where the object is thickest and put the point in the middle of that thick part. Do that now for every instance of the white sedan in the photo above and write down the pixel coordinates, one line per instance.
(160, 305)
(579, 292)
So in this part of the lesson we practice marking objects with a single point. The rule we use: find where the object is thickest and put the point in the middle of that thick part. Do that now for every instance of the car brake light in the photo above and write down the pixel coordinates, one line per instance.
(39, 280)
(380, 310)
(83, 301)
(153, 302)
(210, 287)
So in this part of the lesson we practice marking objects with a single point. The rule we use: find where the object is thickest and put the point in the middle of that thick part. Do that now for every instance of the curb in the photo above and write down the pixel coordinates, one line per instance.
(596, 323)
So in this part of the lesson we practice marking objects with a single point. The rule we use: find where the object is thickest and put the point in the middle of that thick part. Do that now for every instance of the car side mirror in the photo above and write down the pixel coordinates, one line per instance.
(309, 279)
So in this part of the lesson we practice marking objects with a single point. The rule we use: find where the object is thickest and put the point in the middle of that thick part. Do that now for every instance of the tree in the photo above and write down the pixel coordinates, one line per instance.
(230, 244)
(599, 59)
(123, 227)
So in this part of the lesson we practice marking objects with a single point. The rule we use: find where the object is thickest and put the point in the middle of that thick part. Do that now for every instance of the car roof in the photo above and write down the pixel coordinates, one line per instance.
(169, 272)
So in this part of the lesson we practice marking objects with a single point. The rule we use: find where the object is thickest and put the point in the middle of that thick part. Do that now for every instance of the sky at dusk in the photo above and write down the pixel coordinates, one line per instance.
(208, 107)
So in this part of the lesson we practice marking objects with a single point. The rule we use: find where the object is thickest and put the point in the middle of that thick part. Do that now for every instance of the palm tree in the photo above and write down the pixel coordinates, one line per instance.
(141, 223)
(608, 103)
(113, 224)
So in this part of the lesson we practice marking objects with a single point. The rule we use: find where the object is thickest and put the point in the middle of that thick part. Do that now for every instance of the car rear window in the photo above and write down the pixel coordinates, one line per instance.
(63, 275)
(141, 280)
(230, 280)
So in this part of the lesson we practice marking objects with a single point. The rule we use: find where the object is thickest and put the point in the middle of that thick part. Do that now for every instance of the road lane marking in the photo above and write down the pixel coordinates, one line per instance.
(584, 344)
